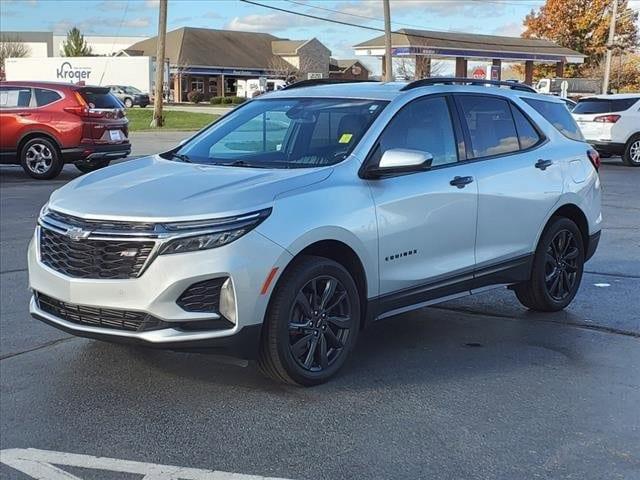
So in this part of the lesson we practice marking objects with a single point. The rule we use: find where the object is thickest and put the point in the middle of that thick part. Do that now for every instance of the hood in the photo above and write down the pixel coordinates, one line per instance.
(155, 189)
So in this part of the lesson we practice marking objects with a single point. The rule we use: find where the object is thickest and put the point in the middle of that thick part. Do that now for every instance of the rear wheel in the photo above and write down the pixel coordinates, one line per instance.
(631, 155)
(40, 159)
(557, 268)
(86, 167)
(312, 323)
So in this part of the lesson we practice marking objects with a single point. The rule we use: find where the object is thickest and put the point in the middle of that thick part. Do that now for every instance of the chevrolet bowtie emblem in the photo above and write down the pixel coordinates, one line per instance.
(76, 233)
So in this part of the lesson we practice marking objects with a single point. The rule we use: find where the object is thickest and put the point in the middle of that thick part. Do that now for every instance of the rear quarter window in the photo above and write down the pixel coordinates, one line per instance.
(45, 97)
(558, 115)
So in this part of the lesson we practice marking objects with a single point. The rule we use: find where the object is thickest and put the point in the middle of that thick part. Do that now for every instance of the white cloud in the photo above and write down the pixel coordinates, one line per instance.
(511, 29)
(142, 22)
(267, 23)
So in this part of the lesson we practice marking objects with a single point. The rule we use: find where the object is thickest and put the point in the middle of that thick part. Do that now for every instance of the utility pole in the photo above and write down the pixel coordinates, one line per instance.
(388, 64)
(612, 34)
(158, 120)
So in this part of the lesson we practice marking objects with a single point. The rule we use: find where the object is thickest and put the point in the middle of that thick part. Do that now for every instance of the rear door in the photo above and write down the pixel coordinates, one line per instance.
(518, 179)
(426, 224)
(16, 113)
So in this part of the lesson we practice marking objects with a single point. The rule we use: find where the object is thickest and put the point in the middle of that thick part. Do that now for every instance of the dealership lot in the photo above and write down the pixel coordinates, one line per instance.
(475, 388)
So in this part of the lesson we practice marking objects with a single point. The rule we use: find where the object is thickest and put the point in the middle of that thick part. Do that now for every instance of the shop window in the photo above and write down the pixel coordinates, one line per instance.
(197, 84)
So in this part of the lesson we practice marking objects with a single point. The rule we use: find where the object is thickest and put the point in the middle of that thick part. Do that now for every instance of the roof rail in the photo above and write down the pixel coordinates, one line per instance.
(425, 82)
(322, 81)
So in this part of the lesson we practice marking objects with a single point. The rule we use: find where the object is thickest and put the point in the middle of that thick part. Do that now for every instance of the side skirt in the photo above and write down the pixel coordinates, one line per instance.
(455, 286)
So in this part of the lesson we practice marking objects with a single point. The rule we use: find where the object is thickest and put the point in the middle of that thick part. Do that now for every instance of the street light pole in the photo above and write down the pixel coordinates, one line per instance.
(612, 33)
(158, 120)
(388, 64)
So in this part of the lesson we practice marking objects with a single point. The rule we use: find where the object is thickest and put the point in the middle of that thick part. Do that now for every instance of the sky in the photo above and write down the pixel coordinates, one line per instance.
(140, 17)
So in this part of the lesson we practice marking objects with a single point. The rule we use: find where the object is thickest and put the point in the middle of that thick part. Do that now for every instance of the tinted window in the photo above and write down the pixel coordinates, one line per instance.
(100, 98)
(603, 105)
(45, 97)
(423, 125)
(527, 134)
(558, 115)
(15, 97)
(490, 125)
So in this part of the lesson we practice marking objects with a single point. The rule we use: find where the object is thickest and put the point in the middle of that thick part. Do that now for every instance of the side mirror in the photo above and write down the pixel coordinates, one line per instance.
(400, 160)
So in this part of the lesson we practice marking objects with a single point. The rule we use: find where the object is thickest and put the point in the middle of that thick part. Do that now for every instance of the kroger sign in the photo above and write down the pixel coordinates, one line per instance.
(71, 73)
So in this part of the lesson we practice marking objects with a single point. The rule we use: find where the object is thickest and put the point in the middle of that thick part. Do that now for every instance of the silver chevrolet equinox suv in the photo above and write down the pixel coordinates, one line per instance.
(301, 217)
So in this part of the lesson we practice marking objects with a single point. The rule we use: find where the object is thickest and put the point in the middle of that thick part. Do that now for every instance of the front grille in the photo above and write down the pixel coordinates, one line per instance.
(97, 259)
(99, 317)
(91, 225)
(202, 296)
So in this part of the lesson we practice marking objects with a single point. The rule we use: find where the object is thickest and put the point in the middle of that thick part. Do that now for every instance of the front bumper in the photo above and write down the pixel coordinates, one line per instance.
(247, 261)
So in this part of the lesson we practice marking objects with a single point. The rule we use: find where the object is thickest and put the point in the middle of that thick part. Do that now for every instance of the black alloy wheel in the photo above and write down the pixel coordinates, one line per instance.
(319, 323)
(561, 265)
(311, 324)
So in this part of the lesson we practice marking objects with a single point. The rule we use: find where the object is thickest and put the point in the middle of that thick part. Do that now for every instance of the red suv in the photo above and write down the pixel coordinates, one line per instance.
(45, 125)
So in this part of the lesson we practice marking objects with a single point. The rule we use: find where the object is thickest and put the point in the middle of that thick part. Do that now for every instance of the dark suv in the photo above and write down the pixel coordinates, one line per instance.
(45, 125)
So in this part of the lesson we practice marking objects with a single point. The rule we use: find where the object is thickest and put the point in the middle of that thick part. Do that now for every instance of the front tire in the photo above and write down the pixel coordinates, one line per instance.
(557, 268)
(631, 155)
(312, 323)
(40, 159)
(128, 103)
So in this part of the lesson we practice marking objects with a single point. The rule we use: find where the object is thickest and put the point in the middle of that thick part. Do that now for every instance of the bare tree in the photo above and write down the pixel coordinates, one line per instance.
(405, 68)
(280, 68)
(12, 47)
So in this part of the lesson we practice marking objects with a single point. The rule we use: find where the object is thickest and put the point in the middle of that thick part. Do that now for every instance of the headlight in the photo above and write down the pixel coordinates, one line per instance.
(210, 233)
(44, 210)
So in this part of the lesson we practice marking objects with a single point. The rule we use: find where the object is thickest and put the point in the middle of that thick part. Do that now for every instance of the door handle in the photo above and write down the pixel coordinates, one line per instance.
(24, 114)
(460, 182)
(543, 164)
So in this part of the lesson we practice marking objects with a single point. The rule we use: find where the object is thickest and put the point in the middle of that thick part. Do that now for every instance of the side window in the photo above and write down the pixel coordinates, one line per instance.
(527, 134)
(491, 126)
(558, 116)
(45, 97)
(425, 125)
(15, 97)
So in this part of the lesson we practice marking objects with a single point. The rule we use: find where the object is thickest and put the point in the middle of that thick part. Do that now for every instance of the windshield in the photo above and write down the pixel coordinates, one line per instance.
(285, 133)
(131, 90)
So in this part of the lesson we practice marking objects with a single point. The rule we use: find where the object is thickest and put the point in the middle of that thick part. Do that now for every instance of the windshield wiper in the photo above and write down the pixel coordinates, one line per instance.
(240, 163)
(181, 156)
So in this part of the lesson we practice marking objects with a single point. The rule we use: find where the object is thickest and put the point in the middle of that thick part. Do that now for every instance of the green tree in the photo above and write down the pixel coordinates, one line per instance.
(583, 25)
(75, 44)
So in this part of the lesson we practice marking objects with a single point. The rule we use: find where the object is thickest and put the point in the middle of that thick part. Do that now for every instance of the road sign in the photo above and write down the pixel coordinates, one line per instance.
(314, 76)
(479, 73)
(263, 83)
(495, 72)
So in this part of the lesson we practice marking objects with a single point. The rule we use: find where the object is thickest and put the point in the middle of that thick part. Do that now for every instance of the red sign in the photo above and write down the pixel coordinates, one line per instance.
(479, 73)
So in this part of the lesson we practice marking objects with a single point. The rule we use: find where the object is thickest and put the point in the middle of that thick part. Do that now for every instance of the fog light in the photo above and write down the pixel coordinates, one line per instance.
(228, 301)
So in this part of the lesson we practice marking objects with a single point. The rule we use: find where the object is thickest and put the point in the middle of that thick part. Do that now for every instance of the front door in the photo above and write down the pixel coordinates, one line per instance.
(426, 220)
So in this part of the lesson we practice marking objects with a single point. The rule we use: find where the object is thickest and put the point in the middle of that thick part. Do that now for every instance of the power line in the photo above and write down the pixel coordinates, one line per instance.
(365, 27)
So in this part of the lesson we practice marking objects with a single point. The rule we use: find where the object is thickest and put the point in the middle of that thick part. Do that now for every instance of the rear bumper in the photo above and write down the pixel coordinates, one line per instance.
(592, 246)
(96, 152)
(608, 147)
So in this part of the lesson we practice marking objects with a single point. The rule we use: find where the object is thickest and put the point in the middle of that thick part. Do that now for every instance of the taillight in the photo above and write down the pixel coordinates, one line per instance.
(594, 157)
(607, 119)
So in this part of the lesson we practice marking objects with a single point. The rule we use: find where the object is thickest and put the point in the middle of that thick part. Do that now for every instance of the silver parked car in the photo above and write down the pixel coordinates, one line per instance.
(130, 96)
(303, 216)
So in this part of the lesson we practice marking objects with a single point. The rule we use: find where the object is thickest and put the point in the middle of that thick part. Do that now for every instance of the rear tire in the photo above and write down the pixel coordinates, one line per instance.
(92, 167)
(631, 155)
(40, 159)
(557, 268)
(312, 323)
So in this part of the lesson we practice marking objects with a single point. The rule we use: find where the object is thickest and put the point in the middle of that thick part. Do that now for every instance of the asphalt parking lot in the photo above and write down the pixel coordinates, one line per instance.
(478, 388)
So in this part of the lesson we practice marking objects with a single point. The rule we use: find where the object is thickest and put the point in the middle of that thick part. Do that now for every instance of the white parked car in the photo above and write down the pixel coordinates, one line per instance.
(307, 214)
(611, 123)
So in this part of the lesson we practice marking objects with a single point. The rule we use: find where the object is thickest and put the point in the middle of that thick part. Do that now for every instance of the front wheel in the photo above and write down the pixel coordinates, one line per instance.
(128, 103)
(557, 268)
(631, 155)
(312, 323)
